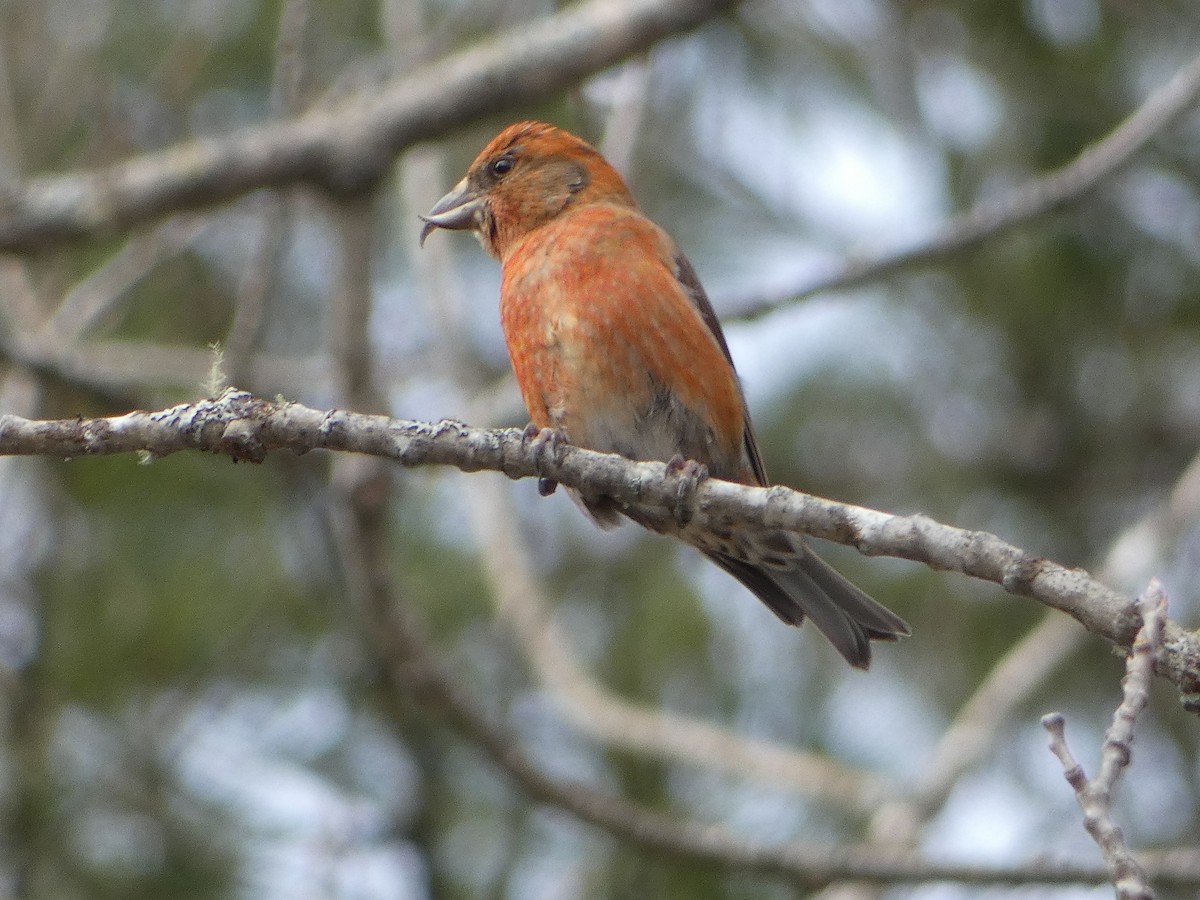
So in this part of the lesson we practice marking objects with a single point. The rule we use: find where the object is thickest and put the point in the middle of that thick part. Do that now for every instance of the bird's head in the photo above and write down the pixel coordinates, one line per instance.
(530, 173)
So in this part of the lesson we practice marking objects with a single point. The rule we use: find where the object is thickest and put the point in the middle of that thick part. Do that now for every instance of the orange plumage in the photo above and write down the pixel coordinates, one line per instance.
(616, 347)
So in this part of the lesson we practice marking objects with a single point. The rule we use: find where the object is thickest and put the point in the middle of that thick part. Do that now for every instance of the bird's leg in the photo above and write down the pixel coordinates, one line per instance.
(545, 440)
(690, 475)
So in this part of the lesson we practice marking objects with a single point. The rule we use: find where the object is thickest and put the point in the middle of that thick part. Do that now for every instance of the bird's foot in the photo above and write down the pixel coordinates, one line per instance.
(689, 476)
(543, 441)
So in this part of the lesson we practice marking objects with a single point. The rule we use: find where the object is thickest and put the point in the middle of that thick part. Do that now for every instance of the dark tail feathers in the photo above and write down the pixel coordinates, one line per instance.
(811, 587)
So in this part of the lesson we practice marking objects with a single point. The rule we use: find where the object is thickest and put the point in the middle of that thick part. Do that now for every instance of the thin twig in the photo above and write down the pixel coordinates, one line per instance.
(1013, 680)
(95, 299)
(995, 215)
(410, 664)
(407, 660)
(1095, 794)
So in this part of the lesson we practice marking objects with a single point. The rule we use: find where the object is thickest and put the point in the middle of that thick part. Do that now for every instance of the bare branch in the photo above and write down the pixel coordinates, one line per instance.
(96, 299)
(247, 428)
(1095, 794)
(995, 215)
(351, 146)
(597, 711)
(408, 662)
(972, 734)
(1029, 663)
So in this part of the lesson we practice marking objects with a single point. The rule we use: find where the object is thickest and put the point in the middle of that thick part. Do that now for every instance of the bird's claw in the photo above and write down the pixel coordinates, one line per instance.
(689, 476)
(543, 441)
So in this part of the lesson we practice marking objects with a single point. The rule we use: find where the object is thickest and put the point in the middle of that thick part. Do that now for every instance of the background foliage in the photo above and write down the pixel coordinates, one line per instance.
(187, 706)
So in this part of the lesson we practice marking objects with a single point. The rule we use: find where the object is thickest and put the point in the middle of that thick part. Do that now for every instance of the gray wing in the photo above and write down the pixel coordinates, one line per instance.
(695, 291)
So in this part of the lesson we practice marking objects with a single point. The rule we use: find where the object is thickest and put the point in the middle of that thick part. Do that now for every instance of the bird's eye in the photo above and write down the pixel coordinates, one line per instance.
(502, 166)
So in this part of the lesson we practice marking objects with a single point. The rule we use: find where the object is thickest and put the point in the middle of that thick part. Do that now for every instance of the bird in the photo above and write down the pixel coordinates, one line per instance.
(616, 348)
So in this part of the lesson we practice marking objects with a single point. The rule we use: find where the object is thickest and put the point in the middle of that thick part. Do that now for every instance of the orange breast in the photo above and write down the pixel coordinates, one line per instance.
(608, 347)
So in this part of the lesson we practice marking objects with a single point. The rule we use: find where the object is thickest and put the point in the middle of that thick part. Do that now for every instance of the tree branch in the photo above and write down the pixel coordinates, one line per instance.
(1095, 794)
(408, 662)
(246, 428)
(351, 146)
(809, 864)
(616, 721)
(1037, 197)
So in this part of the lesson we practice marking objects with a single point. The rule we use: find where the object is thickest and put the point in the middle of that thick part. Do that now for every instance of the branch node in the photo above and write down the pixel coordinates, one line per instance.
(1095, 795)
(1020, 574)
(241, 442)
(331, 427)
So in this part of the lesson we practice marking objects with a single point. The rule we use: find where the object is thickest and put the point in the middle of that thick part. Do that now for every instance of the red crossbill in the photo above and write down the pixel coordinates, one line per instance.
(616, 348)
